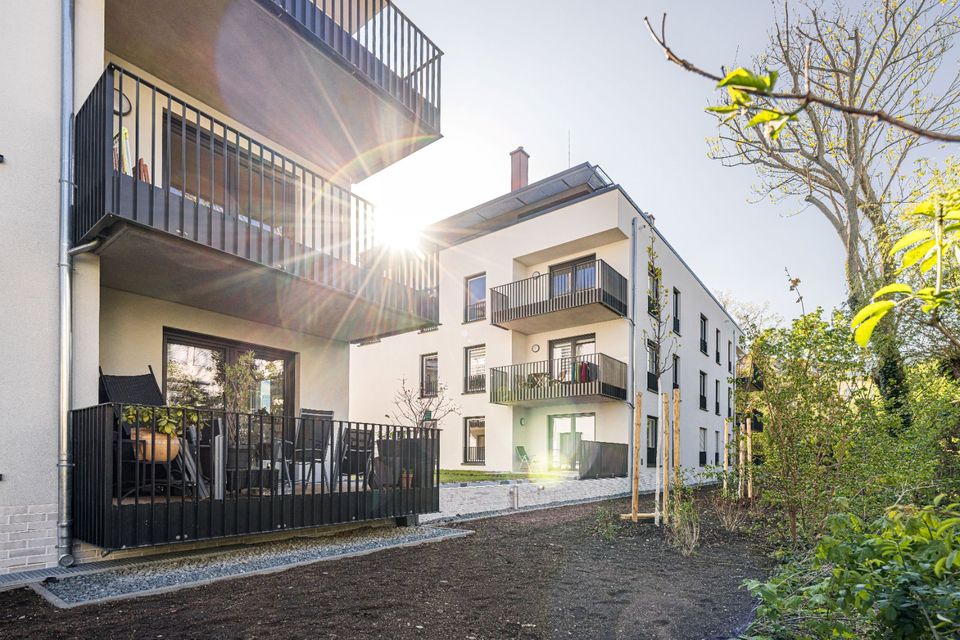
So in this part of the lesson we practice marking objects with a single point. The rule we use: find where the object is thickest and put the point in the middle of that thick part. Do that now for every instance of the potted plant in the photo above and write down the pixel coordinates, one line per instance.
(157, 430)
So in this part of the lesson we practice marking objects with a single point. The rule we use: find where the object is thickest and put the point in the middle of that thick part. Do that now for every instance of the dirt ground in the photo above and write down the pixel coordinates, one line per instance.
(536, 575)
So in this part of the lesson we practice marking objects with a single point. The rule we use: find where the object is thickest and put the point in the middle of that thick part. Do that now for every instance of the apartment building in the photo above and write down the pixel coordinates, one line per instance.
(201, 212)
(545, 331)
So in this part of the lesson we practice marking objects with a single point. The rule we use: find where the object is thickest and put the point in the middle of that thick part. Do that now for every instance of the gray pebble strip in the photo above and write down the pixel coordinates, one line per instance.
(164, 575)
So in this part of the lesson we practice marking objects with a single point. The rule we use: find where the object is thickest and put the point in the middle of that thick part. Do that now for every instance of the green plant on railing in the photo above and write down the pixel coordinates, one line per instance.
(896, 577)
(931, 246)
(169, 421)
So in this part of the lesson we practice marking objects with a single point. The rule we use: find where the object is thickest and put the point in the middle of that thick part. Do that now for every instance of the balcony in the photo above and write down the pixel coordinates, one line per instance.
(583, 294)
(473, 455)
(191, 210)
(350, 85)
(588, 378)
(230, 474)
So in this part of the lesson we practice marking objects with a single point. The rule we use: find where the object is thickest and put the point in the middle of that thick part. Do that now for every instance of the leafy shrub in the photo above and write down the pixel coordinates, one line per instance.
(683, 530)
(605, 523)
(896, 577)
(731, 512)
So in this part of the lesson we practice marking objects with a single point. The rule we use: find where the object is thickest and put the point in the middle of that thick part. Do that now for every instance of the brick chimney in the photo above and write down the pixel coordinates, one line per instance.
(519, 161)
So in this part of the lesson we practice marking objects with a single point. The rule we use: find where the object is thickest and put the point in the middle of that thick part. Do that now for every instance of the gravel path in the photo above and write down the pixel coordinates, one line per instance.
(163, 575)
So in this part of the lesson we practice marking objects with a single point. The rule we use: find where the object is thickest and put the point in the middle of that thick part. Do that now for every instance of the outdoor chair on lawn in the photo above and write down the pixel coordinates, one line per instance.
(525, 460)
(181, 472)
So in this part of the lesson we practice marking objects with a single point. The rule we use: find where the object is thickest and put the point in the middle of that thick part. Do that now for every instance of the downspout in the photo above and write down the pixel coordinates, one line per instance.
(65, 457)
(631, 374)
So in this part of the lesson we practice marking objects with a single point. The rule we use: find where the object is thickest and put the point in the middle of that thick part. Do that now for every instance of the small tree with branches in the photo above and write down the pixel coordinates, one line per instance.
(413, 408)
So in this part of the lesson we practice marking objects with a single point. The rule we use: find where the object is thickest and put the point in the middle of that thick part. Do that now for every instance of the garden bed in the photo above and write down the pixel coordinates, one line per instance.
(539, 574)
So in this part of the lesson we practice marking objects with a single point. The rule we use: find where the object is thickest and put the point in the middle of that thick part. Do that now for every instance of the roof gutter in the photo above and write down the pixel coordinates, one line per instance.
(65, 457)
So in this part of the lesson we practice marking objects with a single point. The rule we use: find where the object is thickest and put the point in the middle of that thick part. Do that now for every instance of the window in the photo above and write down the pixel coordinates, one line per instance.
(703, 333)
(676, 371)
(703, 390)
(194, 365)
(718, 346)
(653, 357)
(576, 275)
(475, 369)
(475, 298)
(429, 380)
(716, 448)
(652, 432)
(676, 311)
(653, 290)
(716, 397)
(729, 356)
(474, 440)
(703, 447)
(729, 405)
(567, 355)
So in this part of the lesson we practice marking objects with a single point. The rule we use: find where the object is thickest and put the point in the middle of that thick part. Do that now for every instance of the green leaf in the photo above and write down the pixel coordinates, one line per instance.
(867, 319)
(892, 288)
(915, 255)
(929, 263)
(775, 130)
(741, 77)
(911, 238)
(739, 97)
(764, 115)
(724, 108)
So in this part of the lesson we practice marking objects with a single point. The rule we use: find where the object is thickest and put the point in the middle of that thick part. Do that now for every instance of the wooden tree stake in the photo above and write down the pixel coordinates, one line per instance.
(676, 439)
(726, 454)
(634, 515)
(750, 458)
(741, 461)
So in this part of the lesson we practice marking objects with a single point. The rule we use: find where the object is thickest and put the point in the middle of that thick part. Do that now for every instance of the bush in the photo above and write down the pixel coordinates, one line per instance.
(605, 523)
(683, 530)
(895, 577)
(731, 512)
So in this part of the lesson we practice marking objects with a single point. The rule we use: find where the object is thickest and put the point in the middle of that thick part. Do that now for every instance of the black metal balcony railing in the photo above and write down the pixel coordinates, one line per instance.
(476, 383)
(676, 325)
(593, 282)
(473, 455)
(146, 156)
(703, 346)
(588, 375)
(718, 357)
(475, 311)
(381, 43)
(230, 474)
(703, 458)
(703, 402)
(716, 408)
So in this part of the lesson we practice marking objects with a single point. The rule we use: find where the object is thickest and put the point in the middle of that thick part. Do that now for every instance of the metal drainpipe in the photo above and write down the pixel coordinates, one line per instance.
(631, 374)
(65, 457)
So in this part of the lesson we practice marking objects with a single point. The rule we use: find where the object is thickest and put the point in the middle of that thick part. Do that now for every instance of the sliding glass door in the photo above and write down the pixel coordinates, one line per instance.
(564, 433)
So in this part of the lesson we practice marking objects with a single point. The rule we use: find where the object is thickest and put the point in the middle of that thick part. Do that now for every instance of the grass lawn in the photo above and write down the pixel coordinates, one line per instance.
(469, 475)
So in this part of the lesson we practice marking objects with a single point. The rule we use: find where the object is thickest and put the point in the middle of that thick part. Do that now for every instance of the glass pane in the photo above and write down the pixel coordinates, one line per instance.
(476, 290)
(586, 275)
(561, 281)
(194, 376)
(268, 396)
(586, 427)
(586, 347)
(428, 376)
(478, 360)
(475, 432)
(652, 433)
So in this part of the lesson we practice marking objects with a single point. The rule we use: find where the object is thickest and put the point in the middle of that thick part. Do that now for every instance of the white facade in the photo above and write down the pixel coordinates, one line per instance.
(596, 225)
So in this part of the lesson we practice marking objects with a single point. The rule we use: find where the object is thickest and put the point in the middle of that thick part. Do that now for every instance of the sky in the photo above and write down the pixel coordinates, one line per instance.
(525, 72)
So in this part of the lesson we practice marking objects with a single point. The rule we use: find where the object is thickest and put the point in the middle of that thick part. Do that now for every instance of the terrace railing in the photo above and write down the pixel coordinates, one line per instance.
(582, 284)
(229, 474)
(587, 375)
(148, 157)
(381, 43)
(473, 455)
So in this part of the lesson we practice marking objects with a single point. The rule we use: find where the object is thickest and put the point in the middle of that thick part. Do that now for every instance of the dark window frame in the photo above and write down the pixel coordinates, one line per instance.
(467, 389)
(232, 350)
(703, 390)
(481, 313)
(590, 259)
(652, 460)
(718, 345)
(466, 440)
(704, 331)
(702, 444)
(676, 310)
(716, 393)
(676, 371)
(423, 359)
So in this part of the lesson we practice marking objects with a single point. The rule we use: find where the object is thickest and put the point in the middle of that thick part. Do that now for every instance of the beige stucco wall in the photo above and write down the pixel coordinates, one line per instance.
(131, 337)
(29, 196)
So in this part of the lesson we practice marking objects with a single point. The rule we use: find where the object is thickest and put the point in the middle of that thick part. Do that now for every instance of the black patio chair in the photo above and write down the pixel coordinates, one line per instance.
(174, 475)
(315, 431)
(356, 452)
